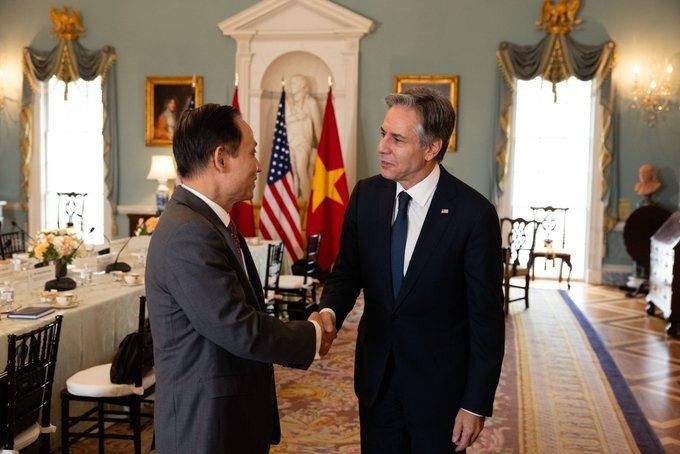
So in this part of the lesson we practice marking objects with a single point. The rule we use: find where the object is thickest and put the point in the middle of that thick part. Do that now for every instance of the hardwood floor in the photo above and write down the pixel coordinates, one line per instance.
(648, 358)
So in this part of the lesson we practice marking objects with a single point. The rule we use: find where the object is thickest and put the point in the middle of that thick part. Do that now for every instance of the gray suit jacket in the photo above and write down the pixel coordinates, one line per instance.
(214, 345)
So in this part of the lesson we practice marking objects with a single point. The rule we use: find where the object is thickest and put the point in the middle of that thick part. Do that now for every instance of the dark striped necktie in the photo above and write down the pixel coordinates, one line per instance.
(398, 242)
(233, 232)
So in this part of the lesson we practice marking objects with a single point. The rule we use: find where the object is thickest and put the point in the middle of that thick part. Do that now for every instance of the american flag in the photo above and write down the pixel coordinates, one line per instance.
(280, 215)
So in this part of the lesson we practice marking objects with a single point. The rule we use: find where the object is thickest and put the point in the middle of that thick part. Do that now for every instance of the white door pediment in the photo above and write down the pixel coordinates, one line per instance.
(313, 38)
(274, 17)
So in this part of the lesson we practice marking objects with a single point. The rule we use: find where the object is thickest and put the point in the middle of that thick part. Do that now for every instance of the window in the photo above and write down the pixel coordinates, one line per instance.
(551, 159)
(72, 159)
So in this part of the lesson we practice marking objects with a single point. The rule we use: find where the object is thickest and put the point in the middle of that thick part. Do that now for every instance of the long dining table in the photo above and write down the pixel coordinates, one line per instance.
(106, 311)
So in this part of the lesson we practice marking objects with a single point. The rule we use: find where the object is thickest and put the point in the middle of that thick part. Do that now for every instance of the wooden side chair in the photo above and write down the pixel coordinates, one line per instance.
(519, 238)
(26, 389)
(273, 273)
(552, 238)
(299, 291)
(70, 205)
(12, 243)
(94, 385)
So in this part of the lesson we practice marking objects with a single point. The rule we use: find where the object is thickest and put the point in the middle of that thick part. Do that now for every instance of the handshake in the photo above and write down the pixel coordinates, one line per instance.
(326, 321)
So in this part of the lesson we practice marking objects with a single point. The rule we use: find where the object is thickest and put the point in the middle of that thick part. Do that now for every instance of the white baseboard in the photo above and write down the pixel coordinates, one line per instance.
(136, 209)
(612, 268)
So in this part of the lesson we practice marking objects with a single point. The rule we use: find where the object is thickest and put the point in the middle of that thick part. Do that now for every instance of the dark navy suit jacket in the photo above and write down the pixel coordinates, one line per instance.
(445, 329)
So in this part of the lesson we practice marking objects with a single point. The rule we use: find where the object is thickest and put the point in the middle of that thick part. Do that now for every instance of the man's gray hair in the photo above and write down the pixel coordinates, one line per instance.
(436, 114)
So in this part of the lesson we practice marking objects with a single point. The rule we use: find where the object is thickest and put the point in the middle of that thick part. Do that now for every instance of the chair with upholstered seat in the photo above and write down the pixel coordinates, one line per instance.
(94, 385)
(26, 389)
(519, 238)
(272, 276)
(299, 292)
(12, 243)
(70, 205)
(552, 236)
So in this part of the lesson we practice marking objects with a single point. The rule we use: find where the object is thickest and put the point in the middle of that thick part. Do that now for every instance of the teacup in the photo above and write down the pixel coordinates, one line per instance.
(117, 276)
(65, 299)
(132, 278)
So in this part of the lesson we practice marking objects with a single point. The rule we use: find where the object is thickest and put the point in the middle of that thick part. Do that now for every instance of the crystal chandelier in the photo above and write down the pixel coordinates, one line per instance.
(653, 92)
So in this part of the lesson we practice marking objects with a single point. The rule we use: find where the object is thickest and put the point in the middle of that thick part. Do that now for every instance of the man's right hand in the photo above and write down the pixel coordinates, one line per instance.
(329, 331)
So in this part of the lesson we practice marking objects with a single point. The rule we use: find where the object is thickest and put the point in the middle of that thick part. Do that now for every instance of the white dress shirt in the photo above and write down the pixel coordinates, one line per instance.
(421, 198)
(226, 219)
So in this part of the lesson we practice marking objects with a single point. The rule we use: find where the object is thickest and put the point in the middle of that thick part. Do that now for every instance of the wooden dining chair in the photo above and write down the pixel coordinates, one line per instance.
(94, 385)
(272, 275)
(552, 238)
(299, 291)
(519, 238)
(26, 389)
(12, 243)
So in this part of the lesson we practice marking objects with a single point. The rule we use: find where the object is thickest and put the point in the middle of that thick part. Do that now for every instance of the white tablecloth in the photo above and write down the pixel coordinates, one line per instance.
(90, 332)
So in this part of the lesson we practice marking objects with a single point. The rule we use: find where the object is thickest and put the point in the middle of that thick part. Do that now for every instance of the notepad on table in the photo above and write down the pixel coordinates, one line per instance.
(30, 312)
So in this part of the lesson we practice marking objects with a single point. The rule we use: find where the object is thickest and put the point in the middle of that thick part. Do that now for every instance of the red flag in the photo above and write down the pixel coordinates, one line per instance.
(234, 100)
(242, 212)
(280, 215)
(330, 195)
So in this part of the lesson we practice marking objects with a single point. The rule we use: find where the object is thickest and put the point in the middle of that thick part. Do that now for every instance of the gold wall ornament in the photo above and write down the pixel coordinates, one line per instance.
(67, 27)
(559, 18)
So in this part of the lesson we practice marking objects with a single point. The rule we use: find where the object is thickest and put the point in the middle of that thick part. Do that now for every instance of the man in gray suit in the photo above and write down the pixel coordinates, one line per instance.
(214, 345)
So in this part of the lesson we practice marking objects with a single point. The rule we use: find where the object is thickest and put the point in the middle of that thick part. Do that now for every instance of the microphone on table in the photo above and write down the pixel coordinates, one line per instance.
(119, 266)
(105, 250)
(16, 226)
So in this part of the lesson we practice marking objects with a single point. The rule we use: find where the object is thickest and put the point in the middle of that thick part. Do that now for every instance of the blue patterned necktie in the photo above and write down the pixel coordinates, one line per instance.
(399, 232)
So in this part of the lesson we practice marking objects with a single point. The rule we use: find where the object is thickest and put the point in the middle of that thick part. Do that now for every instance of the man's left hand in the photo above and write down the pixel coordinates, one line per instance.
(466, 429)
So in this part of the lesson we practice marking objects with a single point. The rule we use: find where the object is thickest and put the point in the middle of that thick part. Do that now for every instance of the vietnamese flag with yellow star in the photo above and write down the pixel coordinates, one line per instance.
(330, 195)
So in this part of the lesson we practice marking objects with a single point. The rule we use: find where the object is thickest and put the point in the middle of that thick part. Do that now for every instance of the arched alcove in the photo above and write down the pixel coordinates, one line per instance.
(315, 38)
(308, 65)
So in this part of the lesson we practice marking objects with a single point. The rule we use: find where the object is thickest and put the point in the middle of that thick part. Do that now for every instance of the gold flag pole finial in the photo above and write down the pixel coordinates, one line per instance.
(67, 27)
(236, 80)
(559, 18)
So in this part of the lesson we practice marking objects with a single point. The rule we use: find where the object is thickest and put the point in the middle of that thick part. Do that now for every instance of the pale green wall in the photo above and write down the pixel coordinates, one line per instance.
(176, 37)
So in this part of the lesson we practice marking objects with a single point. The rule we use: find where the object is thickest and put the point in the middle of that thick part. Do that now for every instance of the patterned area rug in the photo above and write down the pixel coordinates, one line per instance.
(567, 401)
(554, 394)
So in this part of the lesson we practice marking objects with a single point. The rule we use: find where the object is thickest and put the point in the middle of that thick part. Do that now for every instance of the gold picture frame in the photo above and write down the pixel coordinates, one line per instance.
(444, 84)
(161, 115)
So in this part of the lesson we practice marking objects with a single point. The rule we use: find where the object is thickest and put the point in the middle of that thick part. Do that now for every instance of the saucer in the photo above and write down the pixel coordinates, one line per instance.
(134, 284)
(73, 303)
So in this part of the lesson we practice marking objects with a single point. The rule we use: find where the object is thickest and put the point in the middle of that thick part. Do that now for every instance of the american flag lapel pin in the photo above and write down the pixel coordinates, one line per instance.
(445, 211)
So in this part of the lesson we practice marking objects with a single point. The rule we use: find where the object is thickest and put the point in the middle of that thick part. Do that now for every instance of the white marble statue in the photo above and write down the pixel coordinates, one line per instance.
(303, 125)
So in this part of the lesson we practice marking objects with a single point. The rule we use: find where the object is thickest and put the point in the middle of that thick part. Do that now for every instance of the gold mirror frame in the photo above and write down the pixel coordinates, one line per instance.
(445, 84)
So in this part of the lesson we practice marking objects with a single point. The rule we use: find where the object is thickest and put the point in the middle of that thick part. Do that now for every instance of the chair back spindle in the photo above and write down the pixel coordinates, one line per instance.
(31, 361)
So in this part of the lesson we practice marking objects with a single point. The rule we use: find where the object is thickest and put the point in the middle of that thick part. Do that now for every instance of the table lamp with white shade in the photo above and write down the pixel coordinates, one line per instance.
(162, 169)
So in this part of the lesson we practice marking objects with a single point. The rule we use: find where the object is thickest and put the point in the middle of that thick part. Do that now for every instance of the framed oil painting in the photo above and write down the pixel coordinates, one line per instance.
(446, 85)
(166, 99)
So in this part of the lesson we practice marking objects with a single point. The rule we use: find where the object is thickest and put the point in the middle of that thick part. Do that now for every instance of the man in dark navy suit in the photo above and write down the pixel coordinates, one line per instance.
(426, 250)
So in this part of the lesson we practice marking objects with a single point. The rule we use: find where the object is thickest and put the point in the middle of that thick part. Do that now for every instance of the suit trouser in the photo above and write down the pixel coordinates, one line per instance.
(393, 424)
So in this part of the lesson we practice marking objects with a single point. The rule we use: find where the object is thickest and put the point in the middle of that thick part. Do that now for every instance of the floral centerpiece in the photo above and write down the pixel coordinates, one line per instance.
(146, 227)
(60, 246)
